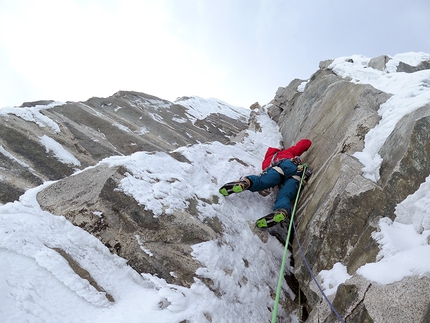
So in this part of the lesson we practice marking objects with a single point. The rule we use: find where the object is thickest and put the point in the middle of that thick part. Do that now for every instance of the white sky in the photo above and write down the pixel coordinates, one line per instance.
(238, 51)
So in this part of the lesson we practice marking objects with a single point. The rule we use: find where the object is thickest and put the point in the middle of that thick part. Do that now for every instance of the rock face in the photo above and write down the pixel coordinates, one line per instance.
(121, 223)
(98, 128)
(338, 212)
(341, 208)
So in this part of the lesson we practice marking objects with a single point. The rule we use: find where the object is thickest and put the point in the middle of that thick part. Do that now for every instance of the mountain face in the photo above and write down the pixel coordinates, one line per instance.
(91, 131)
(341, 208)
(122, 124)
(141, 174)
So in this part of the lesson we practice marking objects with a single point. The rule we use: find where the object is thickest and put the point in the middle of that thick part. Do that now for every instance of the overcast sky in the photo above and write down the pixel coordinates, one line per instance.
(239, 51)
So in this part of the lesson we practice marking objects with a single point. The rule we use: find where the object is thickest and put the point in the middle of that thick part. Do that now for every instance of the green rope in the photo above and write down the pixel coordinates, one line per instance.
(284, 258)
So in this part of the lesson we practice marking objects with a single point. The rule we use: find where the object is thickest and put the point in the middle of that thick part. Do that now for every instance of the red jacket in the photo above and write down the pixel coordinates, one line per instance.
(287, 153)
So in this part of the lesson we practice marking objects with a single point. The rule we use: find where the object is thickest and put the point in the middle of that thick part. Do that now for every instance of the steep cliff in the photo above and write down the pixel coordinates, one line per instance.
(341, 208)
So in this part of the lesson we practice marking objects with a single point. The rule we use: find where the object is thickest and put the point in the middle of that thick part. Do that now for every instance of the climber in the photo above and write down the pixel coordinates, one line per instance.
(280, 167)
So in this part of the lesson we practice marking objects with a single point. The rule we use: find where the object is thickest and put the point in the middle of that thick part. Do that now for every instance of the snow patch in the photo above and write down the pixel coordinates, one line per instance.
(199, 108)
(331, 279)
(301, 87)
(410, 92)
(58, 150)
(32, 114)
(404, 243)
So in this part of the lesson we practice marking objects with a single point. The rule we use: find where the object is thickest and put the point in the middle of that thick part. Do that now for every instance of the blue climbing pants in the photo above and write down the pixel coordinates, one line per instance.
(270, 178)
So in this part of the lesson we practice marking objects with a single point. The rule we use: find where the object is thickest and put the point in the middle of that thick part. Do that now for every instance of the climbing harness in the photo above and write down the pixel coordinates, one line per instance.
(297, 161)
(300, 168)
(279, 170)
(272, 162)
(306, 172)
(281, 273)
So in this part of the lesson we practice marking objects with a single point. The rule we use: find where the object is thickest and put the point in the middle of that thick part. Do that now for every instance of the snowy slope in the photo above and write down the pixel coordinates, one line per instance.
(39, 286)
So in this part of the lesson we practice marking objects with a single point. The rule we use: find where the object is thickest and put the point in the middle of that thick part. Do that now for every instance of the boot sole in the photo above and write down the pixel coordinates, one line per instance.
(270, 220)
(226, 191)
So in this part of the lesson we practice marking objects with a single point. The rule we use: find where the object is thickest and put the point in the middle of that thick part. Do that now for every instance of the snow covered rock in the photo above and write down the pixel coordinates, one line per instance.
(110, 208)
(369, 123)
(89, 131)
(138, 236)
(159, 245)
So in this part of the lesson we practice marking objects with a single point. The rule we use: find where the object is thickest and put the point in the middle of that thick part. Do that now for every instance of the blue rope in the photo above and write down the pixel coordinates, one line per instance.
(313, 277)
